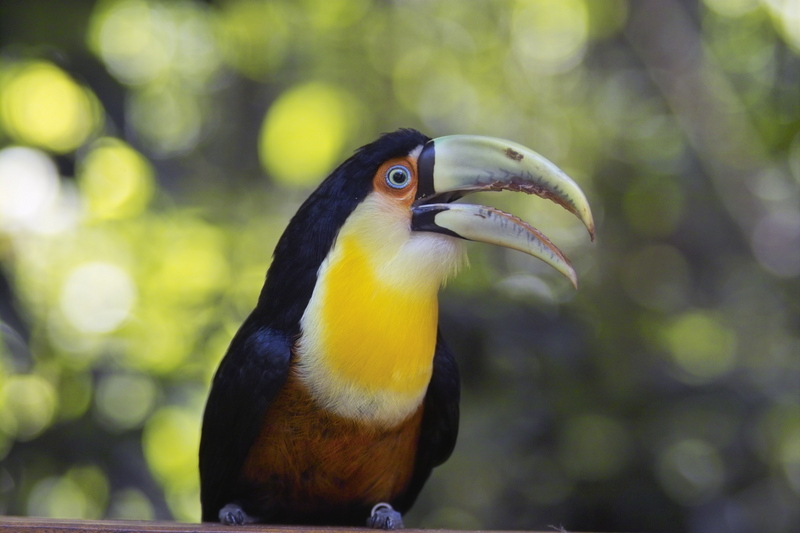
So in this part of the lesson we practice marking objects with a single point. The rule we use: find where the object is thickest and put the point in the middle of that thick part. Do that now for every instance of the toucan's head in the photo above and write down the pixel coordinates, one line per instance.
(396, 197)
(356, 274)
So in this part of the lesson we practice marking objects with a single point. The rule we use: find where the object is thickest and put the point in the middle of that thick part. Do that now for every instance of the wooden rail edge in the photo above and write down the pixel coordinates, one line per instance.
(11, 524)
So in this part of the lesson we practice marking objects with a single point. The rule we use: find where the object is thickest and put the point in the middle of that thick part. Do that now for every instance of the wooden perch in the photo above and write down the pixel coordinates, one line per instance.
(10, 524)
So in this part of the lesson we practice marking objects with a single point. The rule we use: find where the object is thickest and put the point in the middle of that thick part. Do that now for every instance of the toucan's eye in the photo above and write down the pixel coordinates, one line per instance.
(398, 177)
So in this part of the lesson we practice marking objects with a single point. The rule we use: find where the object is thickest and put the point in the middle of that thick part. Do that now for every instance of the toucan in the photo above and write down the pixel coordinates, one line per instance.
(337, 396)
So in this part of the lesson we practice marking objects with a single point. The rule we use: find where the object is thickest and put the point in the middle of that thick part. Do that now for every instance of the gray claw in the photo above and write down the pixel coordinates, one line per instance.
(384, 517)
(233, 515)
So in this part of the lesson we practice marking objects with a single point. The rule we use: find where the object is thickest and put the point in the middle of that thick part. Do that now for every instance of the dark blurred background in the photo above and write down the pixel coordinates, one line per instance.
(151, 153)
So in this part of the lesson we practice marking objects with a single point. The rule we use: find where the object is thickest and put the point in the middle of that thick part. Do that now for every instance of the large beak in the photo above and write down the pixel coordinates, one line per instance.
(450, 167)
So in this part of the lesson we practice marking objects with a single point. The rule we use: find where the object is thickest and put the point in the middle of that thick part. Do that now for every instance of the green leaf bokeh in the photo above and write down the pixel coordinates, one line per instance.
(151, 153)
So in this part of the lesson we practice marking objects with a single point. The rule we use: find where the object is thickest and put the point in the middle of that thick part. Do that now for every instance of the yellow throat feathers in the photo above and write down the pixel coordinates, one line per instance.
(369, 331)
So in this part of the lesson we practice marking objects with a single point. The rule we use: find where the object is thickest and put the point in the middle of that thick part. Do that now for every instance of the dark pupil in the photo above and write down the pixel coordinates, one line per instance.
(398, 177)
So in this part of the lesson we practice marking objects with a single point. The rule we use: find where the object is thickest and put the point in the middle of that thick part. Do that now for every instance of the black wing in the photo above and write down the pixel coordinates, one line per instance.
(439, 422)
(250, 375)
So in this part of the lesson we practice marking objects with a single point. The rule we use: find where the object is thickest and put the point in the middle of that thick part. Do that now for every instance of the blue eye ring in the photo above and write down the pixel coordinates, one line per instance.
(398, 177)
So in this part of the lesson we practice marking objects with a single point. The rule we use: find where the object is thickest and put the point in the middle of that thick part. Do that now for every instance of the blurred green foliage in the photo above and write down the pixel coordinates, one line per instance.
(151, 153)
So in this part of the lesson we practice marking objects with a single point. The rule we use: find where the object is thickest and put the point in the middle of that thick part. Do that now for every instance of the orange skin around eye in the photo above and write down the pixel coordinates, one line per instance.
(404, 196)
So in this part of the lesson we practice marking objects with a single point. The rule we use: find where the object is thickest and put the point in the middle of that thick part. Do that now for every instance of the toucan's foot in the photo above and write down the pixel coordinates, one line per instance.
(384, 517)
(233, 515)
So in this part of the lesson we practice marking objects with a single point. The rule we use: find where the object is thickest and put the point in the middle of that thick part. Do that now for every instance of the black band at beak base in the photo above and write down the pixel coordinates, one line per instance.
(424, 219)
(425, 164)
